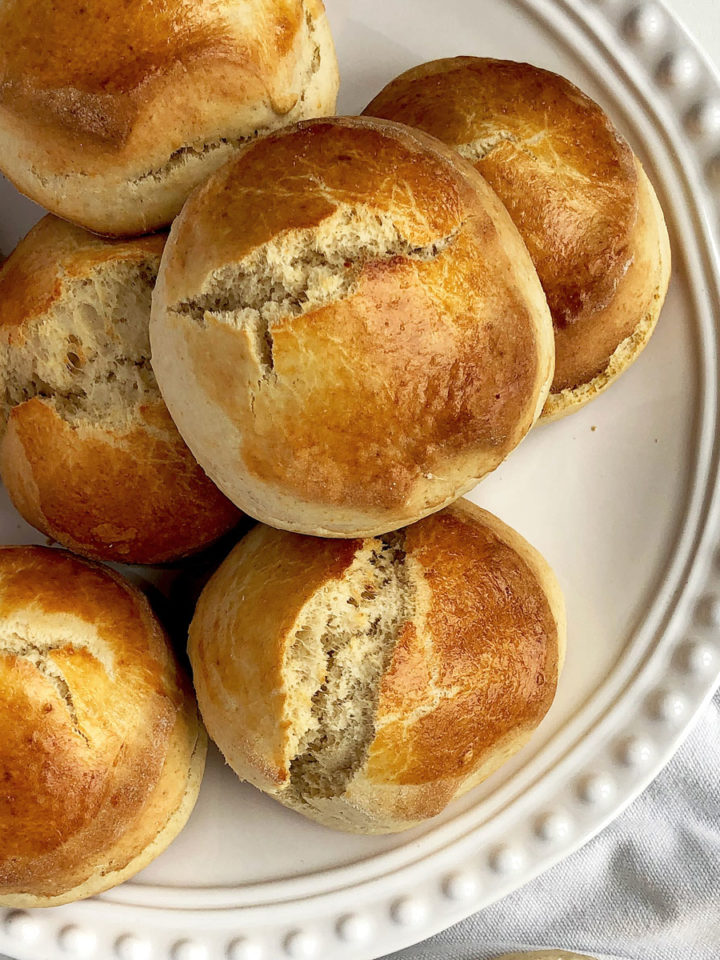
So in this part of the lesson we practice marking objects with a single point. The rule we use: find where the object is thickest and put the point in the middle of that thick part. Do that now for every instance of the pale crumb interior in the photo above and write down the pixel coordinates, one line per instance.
(89, 354)
(482, 146)
(341, 649)
(301, 270)
(206, 155)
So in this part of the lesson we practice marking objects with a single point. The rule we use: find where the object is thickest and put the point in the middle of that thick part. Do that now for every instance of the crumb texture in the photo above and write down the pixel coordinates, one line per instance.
(89, 354)
(341, 649)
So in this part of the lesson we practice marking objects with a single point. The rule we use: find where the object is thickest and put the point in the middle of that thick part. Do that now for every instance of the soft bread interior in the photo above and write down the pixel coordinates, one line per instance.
(301, 270)
(89, 354)
(342, 646)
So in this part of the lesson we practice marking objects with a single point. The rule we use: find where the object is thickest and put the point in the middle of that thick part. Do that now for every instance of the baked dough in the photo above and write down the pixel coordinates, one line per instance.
(367, 683)
(580, 199)
(110, 113)
(88, 452)
(102, 751)
(347, 328)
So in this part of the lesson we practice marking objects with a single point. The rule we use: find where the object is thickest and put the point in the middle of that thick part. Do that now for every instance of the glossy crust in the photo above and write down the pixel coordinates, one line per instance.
(102, 751)
(111, 113)
(387, 401)
(472, 674)
(117, 484)
(579, 198)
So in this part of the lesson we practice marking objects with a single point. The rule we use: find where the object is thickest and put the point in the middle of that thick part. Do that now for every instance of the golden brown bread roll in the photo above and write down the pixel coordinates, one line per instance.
(347, 328)
(578, 196)
(366, 683)
(102, 751)
(89, 454)
(110, 113)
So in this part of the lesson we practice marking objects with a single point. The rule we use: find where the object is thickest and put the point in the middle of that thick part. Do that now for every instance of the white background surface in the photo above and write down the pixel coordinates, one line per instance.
(702, 19)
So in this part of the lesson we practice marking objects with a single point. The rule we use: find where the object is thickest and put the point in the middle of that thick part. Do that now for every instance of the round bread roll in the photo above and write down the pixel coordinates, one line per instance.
(576, 193)
(89, 454)
(102, 751)
(347, 328)
(366, 683)
(110, 113)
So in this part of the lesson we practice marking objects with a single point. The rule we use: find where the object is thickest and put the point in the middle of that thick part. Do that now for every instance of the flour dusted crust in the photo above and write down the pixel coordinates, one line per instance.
(347, 328)
(366, 683)
(578, 196)
(111, 113)
(102, 751)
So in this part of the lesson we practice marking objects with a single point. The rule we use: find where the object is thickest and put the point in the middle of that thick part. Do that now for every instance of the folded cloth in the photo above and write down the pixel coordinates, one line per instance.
(646, 888)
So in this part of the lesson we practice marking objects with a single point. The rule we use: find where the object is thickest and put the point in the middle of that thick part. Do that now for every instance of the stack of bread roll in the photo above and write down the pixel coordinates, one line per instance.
(350, 323)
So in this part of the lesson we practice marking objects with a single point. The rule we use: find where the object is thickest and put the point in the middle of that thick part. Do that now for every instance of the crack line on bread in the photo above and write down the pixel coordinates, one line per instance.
(482, 147)
(39, 655)
(203, 149)
(300, 271)
(199, 150)
(350, 652)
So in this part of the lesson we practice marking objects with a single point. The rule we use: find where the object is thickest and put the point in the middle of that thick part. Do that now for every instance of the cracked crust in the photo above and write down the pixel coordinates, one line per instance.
(102, 750)
(572, 186)
(88, 453)
(472, 629)
(347, 328)
(158, 97)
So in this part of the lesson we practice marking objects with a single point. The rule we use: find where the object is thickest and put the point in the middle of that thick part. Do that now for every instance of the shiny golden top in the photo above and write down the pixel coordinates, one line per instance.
(564, 173)
(89, 67)
(431, 358)
(94, 713)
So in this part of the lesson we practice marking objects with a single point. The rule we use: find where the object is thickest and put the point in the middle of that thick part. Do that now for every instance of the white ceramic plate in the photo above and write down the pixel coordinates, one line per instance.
(620, 498)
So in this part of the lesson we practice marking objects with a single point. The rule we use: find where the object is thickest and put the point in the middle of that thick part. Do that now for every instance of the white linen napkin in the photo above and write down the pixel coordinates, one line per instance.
(646, 888)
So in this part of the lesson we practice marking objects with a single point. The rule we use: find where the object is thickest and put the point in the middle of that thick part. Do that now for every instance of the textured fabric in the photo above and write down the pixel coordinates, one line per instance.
(646, 888)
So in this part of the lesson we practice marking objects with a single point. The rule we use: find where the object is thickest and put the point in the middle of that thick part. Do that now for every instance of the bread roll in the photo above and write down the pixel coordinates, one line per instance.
(110, 113)
(578, 196)
(347, 328)
(89, 454)
(102, 752)
(366, 683)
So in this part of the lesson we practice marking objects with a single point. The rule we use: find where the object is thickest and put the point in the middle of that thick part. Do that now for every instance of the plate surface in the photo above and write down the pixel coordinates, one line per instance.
(619, 497)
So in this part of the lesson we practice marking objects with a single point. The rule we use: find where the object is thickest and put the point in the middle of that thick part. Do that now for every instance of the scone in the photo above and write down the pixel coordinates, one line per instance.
(110, 113)
(102, 751)
(577, 194)
(89, 454)
(347, 328)
(366, 683)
